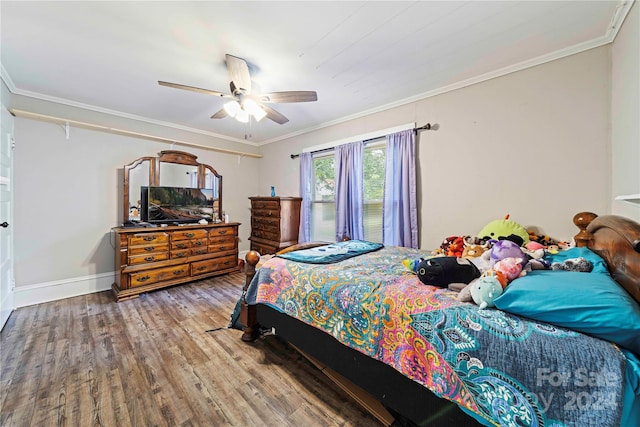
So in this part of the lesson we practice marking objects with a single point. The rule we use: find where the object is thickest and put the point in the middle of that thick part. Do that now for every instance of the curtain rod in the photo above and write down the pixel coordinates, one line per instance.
(92, 126)
(415, 130)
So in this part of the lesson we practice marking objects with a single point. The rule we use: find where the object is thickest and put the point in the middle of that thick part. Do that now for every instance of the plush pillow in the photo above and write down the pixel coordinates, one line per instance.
(592, 303)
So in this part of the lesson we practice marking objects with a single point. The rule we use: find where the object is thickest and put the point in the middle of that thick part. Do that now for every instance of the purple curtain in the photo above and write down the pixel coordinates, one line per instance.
(349, 191)
(399, 211)
(306, 174)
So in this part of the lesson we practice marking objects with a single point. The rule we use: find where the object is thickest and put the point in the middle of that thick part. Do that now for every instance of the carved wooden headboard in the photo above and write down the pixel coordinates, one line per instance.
(617, 240)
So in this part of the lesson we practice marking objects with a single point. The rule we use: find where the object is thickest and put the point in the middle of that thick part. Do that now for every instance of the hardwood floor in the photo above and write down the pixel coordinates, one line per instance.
(151, 362)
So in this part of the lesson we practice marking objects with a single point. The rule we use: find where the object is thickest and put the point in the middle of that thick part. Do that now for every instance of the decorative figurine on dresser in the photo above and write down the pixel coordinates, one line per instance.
(275, 222)
(173, 230)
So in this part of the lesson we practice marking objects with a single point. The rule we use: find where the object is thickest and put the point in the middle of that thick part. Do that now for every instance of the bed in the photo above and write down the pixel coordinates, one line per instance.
(560, 348)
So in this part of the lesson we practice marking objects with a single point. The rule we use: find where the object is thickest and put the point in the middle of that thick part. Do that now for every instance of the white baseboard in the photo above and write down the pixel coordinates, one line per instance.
(60, 289)
(6, 307)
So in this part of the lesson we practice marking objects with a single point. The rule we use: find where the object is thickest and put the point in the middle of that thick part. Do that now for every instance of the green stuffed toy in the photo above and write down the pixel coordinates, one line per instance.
(505, 229)
(485, 290)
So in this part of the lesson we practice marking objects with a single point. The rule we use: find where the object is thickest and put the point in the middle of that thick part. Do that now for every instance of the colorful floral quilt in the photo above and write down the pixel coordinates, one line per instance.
(502, 369)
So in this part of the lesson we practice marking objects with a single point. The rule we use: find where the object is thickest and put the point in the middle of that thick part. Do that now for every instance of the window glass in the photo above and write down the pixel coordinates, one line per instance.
(323, 206)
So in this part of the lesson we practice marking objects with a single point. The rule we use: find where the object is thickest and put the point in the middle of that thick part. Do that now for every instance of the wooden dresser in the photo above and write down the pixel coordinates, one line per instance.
(275, 222)
(153, 258)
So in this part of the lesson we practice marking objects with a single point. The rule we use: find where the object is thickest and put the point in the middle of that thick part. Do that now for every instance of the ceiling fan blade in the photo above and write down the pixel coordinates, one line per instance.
(239, 73)
(274, 115)
(290, 96)
(220, 114)
(195, 89)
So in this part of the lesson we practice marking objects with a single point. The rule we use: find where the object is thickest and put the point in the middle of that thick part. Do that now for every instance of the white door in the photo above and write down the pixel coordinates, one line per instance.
(6, 216)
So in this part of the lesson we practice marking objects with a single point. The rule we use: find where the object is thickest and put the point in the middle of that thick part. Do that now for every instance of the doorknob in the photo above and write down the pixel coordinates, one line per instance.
(4, 224)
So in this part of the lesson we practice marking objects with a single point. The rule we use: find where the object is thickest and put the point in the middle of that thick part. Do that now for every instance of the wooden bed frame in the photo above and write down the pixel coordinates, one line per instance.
(380, 388)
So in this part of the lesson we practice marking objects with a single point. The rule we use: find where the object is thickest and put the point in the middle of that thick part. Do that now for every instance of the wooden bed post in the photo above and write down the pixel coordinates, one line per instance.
(247, 312)
(582, 221)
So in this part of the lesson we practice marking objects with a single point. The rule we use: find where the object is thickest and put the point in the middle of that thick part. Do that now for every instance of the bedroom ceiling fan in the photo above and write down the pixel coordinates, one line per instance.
(243, 102)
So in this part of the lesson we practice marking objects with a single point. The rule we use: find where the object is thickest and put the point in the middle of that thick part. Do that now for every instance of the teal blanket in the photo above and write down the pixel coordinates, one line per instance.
(334, 252)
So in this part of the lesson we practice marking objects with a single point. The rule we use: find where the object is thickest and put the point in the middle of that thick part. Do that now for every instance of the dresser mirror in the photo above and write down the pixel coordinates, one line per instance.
(169, 169)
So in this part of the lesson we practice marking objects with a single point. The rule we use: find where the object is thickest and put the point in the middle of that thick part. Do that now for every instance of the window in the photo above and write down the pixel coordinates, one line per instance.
(323, 205)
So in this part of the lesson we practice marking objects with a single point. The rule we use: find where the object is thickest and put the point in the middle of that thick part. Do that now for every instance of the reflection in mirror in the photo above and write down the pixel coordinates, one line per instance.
(138, 178)
(170, 169)
(176, 175)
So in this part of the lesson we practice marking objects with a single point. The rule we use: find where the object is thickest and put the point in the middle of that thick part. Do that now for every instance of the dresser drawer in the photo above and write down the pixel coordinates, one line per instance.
(145, 238)
(265, 222)
(202, 250)
(180, 253)
(265, 204)
(222, 231)
(214, 240)
(215, 264)
(268, 213)
(148, 249)
(222, 247)
(266, 235)
(153, 257)
(159, 275)
(188, 234)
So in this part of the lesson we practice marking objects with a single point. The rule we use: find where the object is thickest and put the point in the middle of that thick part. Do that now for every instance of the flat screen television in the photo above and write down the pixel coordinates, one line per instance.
(176, 204)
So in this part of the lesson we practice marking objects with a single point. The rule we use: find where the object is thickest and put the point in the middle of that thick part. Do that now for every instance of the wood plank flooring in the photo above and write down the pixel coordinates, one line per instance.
(89, 361)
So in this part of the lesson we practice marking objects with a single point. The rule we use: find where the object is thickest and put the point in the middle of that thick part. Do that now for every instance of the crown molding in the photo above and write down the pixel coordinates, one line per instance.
(6, 78)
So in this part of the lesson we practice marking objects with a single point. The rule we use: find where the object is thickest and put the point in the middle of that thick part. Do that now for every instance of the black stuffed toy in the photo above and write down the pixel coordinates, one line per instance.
(440, 271)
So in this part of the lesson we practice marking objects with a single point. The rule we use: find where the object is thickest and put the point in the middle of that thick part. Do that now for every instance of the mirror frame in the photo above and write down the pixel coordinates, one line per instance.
(168, 156)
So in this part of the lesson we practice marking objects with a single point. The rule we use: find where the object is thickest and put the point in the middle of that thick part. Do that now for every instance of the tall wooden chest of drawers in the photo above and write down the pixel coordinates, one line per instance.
(275, 222)
(152, 258)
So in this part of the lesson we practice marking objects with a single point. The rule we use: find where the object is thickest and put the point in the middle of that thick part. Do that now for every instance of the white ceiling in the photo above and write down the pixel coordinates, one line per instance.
(360, 56)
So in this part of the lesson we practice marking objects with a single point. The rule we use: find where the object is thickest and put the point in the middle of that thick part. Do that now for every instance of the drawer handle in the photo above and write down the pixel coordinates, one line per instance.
(199, 243)
(150, 258)
(227, 263)
(181, 255)
(202, 267)
(149, 238)
(189, 234)
(222, 248)
(143, 278)
(222, 232)
(177, 272)
(201, 251)
(181, 246)
(150, 248)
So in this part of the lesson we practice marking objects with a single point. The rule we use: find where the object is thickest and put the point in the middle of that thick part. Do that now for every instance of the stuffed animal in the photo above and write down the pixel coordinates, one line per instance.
(473, 251)
(552, 249)
(505, 249)
(485, 290)
(505, 228)
(543, 239)
(511, 268)
(453, 246)
(440, 271)
(574, 264)
(498, 275)
(412, 264)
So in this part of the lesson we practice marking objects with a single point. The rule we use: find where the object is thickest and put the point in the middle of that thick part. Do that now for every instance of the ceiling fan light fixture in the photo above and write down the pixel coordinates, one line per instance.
(259, 114)
(232, 108)
(251, 107)
(242, 116)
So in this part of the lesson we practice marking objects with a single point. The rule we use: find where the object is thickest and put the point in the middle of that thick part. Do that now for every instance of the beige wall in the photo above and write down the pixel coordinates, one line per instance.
(625, 114)
(534, 144)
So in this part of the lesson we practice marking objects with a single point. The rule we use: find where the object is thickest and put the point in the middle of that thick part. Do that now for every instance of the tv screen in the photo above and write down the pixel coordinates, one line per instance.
(176, 204)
